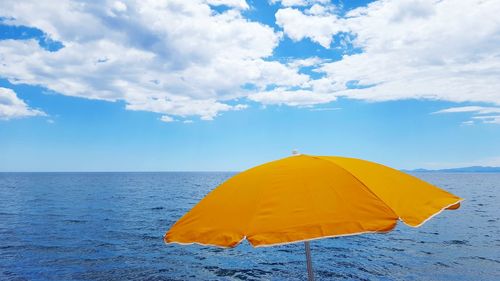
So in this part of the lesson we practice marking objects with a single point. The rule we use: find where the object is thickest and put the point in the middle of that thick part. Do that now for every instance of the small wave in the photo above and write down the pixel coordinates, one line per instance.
(273, 263)
(149, 237)
(441, 264)
(238, 273)
(456, 242)
(330, 274)
(75, 221)
(480, 258)
(395, 264)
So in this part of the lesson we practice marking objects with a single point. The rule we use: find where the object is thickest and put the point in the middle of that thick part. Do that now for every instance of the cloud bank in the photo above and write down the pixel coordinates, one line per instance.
(184, 58)
(443, 50)
(173, 57)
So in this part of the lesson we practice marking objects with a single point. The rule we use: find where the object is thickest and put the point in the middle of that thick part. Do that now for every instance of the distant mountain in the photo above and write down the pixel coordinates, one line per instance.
(472, 169)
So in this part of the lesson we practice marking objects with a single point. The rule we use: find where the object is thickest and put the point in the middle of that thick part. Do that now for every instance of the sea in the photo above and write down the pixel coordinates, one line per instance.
(109, 226)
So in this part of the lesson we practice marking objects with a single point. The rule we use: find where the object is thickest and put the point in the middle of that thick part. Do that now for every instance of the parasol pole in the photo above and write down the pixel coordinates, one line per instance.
(310, 273)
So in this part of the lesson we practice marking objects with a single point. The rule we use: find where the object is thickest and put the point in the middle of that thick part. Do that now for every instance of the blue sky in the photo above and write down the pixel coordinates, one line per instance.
(225, 85)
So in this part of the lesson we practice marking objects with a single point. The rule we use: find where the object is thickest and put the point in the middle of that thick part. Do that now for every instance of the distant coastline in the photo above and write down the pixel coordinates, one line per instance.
(471, 169)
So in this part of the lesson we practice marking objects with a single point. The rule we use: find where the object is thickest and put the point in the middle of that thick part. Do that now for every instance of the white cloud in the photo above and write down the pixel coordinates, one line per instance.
(489, 119)
(312, 61)
(320, 10)
(489, 115)
(318, 27)
(291, 3)
(428, 49)
(282, 96)
(167, 119)
(476, 109)
(239, 4)
(12, 107)
(119, 6)
(173, 57)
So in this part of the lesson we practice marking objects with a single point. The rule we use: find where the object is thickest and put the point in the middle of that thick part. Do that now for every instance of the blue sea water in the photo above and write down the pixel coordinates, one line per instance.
(109, 226)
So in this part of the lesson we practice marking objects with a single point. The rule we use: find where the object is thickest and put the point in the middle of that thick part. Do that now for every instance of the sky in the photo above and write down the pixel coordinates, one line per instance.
(223, 85)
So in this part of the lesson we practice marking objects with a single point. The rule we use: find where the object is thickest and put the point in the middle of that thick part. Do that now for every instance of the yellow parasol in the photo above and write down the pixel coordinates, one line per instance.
(305, 197)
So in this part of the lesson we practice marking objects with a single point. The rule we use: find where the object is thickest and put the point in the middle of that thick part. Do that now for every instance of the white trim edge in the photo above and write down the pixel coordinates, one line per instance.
(203, 244)
(324, 237)
(433, 215)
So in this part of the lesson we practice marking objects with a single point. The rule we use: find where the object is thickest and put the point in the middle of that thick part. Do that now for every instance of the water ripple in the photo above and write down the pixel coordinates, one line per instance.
(109, 226)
